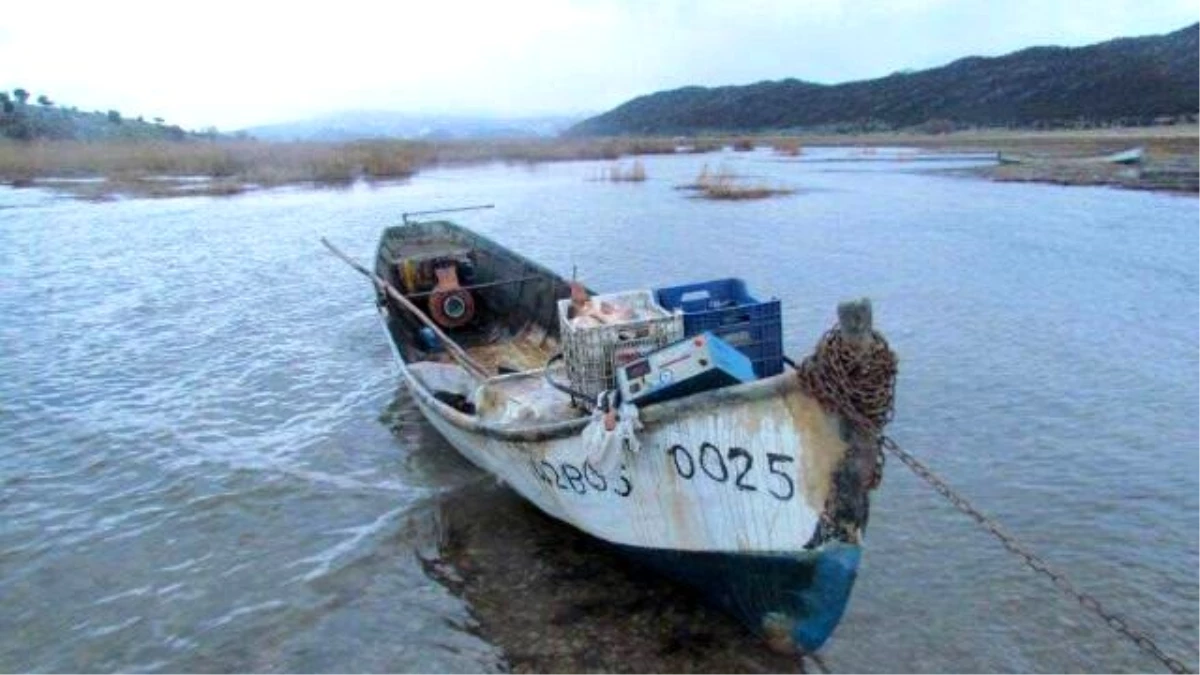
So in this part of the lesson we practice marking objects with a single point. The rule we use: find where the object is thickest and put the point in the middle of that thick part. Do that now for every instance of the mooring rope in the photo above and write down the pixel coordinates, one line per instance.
(857, 381)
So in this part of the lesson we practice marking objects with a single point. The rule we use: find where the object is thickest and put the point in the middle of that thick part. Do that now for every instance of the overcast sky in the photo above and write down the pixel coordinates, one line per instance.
(236, 64)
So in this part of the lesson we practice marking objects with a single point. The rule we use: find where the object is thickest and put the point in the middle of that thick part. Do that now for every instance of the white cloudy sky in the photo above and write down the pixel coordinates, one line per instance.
(234, 64)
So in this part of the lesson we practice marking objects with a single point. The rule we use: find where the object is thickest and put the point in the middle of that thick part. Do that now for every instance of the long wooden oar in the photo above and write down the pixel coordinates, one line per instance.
(451, 346)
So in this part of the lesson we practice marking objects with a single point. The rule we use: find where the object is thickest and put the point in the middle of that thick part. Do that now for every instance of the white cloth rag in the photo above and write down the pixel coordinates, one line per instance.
(606, 449)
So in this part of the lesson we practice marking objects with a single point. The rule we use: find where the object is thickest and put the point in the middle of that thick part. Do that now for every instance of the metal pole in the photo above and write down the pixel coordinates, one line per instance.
(405, 216)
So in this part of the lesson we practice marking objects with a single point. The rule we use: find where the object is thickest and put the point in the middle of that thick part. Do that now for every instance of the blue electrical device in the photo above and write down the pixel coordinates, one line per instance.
(683, 368)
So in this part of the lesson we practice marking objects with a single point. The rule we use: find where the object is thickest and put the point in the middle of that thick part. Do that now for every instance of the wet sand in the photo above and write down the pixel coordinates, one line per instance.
(556, 600)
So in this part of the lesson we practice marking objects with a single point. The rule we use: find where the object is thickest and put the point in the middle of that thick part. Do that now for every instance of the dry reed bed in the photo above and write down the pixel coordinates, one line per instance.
(229, 167)
(269, 163)
(168, 168)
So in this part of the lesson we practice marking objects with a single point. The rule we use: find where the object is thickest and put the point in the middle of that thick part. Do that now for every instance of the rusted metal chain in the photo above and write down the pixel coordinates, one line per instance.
(857, 382)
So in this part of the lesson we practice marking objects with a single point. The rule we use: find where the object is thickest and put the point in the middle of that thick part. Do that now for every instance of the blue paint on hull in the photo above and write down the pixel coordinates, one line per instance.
(804, 592)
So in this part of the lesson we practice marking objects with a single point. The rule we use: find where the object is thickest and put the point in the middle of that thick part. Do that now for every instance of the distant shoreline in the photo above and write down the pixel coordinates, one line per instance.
(1060, 157)
(106, 170)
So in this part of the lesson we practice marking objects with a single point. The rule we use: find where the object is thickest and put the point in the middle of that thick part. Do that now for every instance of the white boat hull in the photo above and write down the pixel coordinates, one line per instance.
(727, 499)
(749, 479)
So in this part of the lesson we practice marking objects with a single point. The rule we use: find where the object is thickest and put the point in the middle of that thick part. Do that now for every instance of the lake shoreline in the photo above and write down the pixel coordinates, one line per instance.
(1170, 174)
(97, 172)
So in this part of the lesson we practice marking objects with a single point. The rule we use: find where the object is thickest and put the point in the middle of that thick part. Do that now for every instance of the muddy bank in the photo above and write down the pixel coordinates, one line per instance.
(1061, 157)
(1169, 173)
(556, 600)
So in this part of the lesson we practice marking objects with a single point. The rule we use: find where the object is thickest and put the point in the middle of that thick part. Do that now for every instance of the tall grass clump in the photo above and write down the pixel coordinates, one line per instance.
(788, 147)
(617, 173)
(702, 179)
(726, 185)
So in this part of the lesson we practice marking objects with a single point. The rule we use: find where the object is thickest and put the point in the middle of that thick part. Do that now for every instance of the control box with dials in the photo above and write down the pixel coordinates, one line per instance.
(692, 365)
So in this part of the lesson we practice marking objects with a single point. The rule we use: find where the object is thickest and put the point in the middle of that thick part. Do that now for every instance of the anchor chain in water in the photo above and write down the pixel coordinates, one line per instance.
(857, 381)
(1032, 560)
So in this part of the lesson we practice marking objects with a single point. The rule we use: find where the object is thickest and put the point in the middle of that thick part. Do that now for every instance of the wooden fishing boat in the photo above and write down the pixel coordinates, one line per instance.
(756, 494)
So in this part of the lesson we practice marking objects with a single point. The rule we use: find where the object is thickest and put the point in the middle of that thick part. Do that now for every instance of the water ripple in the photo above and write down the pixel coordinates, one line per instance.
(205, 464)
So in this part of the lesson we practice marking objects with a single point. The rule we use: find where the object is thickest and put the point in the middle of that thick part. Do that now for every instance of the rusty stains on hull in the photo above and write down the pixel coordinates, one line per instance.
(823, 445)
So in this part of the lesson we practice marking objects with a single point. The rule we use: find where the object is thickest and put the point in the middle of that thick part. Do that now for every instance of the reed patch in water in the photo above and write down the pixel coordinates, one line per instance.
(617, 173)
(788, 147)
(724, 184)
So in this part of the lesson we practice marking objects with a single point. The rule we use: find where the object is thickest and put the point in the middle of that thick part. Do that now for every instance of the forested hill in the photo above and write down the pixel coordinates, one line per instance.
(24, 120)
(1123, 81)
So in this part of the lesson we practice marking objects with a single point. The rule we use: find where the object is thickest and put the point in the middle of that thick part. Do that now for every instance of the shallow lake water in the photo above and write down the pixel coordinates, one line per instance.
(206, 461)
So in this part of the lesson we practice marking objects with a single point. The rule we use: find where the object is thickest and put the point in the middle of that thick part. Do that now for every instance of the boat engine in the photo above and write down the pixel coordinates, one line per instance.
(451, 305)
(438, 277)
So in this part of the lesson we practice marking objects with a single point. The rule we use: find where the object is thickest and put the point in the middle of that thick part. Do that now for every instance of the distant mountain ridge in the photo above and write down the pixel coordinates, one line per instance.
(1121, 81)
(367, 124)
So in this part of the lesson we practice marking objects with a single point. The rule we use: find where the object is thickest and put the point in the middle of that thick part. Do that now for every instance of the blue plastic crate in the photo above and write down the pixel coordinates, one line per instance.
(724, 307)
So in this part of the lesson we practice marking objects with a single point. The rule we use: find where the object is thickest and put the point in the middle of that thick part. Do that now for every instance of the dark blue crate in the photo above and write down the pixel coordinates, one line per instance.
(724, 307)
(705, 296)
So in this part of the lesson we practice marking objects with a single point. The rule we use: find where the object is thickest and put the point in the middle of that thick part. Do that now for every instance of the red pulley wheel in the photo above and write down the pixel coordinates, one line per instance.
(452, 308)
(450, 304)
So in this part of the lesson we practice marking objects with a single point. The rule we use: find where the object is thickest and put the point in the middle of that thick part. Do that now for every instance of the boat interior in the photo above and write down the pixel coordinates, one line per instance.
(500, 308)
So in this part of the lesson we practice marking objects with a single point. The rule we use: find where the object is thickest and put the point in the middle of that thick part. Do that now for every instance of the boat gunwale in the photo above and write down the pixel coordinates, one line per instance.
(389, 233)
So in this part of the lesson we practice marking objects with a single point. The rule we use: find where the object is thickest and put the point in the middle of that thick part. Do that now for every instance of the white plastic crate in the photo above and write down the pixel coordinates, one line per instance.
(591, 352)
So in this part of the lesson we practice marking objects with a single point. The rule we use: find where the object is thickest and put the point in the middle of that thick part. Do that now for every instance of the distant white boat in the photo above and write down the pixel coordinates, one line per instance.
(1131, 156)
